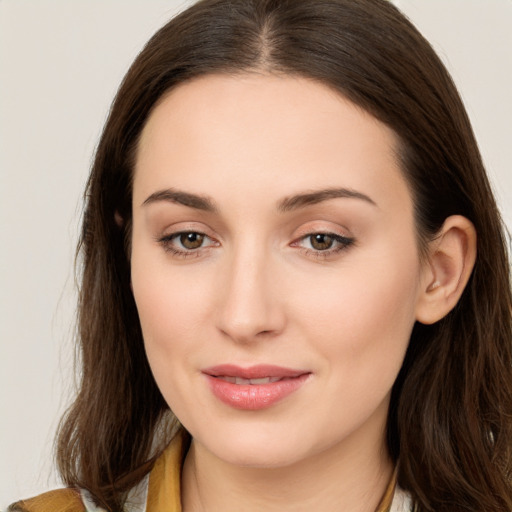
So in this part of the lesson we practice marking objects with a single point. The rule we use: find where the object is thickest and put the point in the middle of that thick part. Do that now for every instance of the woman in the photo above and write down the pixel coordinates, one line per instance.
(289, 242)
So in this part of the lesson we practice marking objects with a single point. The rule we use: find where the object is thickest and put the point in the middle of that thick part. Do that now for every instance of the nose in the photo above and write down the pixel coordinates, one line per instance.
(250, 305)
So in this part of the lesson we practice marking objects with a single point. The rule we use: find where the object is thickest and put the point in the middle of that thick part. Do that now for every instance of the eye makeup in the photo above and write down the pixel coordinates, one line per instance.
(193, 244)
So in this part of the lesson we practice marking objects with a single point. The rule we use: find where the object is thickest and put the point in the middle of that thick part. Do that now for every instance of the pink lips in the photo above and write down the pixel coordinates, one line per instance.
(253, 388)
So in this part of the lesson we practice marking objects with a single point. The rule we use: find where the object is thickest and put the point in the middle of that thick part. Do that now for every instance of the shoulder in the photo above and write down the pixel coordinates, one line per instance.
(61, 500)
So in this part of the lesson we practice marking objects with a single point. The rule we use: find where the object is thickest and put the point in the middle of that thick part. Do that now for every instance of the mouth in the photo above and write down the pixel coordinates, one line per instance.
(256, 387)
(249, 382)
(253, 373)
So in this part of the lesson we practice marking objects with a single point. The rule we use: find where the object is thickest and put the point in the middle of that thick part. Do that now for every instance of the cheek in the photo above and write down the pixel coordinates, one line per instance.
(169, 313)
(169, 309)
(165, 303)
(364, 313)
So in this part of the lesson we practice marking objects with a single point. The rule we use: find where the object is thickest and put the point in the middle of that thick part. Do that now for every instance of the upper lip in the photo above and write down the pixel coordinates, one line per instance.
(252, 372)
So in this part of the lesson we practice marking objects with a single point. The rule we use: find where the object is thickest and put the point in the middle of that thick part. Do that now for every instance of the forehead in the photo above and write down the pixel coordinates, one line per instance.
(263, 133)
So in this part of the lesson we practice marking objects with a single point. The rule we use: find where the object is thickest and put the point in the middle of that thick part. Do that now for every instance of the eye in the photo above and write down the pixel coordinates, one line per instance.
(323, 245)
(186, 243)
(321, 241)
(191, 240)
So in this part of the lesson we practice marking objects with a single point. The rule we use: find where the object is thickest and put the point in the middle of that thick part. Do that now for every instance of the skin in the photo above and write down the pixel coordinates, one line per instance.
(258, 292)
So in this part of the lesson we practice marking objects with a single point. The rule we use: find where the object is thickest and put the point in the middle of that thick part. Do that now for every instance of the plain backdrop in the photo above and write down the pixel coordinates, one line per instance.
(60, 65)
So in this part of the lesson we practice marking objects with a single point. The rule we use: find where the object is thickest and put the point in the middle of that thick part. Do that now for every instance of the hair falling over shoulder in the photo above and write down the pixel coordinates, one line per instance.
(450, 420)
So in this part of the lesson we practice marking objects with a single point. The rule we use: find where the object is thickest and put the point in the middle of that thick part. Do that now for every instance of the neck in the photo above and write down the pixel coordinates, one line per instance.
(349, 477)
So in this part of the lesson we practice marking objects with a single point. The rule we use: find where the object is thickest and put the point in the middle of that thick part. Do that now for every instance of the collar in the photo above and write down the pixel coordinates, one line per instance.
(164, 488)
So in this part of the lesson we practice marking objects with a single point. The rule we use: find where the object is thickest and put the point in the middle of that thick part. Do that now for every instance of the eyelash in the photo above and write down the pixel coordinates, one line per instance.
(342, 243)
(167, 243)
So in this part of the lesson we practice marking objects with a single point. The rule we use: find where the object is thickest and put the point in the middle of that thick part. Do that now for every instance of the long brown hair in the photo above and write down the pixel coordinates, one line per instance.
(450, 424)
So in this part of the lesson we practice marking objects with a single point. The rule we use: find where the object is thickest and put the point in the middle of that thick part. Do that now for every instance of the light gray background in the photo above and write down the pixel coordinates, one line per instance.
(60, 65)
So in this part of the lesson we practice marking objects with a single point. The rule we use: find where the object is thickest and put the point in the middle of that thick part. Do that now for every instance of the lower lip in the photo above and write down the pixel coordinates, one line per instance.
(254, 397)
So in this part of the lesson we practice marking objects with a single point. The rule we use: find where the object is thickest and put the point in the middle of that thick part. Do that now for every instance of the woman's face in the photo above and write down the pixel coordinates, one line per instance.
(274, 266)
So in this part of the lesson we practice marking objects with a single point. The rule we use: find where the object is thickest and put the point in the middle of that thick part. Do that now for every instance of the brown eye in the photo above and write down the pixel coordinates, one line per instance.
(321, 241)
(191, 240)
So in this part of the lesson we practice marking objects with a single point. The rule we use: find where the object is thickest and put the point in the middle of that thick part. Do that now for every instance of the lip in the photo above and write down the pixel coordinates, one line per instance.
(254, 396)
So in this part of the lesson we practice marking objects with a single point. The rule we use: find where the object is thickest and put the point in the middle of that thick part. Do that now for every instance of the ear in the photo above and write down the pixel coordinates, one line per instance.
(451, 258)
(118, 219)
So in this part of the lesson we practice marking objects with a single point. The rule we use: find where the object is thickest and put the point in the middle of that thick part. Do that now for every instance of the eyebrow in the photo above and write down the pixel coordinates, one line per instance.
(295, 202)
(310, 198)
(195, 201)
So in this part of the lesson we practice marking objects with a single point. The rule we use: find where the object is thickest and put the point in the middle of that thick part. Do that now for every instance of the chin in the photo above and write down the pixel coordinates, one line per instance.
(257, 447)
(268, 457)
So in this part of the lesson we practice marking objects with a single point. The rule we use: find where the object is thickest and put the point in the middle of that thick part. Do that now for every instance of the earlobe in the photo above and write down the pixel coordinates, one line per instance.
(451, 259)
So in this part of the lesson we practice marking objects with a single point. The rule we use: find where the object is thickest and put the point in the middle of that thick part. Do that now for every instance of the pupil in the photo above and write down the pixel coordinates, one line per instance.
(191, 240)
(321, 242)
